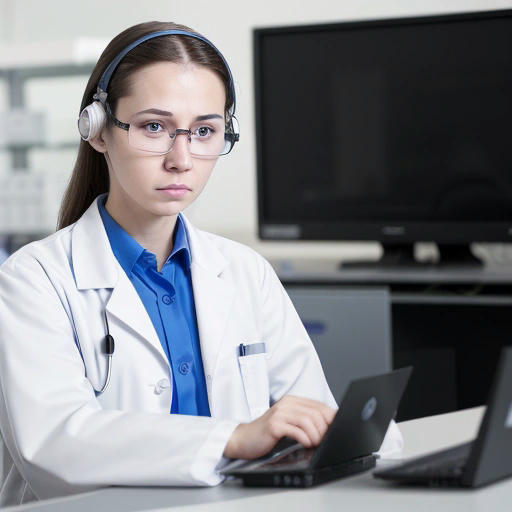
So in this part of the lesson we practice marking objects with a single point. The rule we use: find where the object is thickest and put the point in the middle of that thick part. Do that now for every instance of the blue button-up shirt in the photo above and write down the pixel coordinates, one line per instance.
(169, 300)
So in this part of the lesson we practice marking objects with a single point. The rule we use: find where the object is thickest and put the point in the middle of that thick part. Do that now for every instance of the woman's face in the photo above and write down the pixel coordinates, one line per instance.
(177, 95)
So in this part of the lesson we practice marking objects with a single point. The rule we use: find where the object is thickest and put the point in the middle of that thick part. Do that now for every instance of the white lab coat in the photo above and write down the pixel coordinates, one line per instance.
(61, 438)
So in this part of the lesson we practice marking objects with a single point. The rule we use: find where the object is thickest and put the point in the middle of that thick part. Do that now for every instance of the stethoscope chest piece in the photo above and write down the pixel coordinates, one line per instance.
(109, 351)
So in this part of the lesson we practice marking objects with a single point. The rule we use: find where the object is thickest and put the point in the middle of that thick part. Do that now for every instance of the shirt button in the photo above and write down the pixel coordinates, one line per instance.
(161, 385)
(184, 368)
(167, 300)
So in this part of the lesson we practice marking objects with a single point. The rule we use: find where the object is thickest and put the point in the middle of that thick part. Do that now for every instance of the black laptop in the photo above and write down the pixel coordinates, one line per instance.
(486, 459)
(356, 432)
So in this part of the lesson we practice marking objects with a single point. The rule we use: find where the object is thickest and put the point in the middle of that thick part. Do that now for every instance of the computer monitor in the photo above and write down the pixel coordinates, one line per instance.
(395, 130)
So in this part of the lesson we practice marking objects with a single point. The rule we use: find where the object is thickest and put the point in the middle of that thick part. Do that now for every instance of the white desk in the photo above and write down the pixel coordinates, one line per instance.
(361, 492)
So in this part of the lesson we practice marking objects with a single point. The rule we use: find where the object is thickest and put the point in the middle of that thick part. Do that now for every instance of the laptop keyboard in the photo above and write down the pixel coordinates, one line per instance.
(447, 464)
(448, 468)
(300, 457)
(287, 451)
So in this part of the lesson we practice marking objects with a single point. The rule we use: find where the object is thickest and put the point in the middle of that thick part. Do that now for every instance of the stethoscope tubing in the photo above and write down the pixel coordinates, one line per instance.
(109, 350)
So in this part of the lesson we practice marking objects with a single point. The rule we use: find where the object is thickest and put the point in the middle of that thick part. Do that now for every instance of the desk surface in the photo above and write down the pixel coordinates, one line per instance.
(314, 272)
(361, 492)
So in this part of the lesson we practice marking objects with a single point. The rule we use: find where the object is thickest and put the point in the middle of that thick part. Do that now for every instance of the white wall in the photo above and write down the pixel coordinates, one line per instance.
(228, 204)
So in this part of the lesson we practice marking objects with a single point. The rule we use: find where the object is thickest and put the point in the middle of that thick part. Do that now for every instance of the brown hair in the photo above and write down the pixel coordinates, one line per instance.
(90, 174)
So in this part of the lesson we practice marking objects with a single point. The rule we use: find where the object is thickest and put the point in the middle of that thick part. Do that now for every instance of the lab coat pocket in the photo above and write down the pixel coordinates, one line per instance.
(255, 378)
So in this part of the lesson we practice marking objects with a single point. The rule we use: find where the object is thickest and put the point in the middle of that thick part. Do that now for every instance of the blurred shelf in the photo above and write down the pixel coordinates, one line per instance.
(51, 146)
(21, 62)
(29, 200)
(37, 59)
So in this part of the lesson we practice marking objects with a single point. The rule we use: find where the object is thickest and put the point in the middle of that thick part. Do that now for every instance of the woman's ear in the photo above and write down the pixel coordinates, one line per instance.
(98, 143)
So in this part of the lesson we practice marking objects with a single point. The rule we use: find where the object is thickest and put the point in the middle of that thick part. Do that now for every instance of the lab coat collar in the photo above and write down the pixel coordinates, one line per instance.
(95, 266)
(125, 248)
(204, 253)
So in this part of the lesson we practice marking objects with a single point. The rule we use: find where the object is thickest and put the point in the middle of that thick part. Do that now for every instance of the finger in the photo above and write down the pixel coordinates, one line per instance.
(306, 424)
(298, 434)
(301, 417)
(281, 425)
(316, 417)
(327, 412)
(308, 418)
(319, 413)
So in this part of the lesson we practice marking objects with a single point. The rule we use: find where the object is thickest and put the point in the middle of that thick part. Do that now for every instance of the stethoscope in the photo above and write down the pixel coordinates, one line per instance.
(109, 351)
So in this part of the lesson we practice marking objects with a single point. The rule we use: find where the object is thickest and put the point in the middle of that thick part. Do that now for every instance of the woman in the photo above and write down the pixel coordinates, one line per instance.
(200, 326)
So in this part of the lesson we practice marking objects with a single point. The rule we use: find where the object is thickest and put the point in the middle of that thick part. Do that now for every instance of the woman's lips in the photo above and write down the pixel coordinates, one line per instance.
(174, 186)
(176, 191)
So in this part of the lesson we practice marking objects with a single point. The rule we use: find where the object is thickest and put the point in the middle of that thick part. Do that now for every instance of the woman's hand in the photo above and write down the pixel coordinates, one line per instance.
(303, 419)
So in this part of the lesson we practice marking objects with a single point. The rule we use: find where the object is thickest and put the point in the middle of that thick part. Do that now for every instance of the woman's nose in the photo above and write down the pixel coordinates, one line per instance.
(179, 158)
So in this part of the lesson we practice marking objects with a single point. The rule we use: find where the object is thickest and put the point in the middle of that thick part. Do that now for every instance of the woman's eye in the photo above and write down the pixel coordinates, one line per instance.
(204, 131)
(153, 127)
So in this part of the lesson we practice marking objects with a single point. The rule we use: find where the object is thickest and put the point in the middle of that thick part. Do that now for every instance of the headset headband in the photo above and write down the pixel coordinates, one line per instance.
(101, 93)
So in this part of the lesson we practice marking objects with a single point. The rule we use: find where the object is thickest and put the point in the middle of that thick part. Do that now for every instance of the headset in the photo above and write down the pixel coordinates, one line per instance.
(92, 120)
(93, 117)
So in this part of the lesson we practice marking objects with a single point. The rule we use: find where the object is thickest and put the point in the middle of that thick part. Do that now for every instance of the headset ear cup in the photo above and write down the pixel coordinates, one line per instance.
(92, 120)
(234, 128)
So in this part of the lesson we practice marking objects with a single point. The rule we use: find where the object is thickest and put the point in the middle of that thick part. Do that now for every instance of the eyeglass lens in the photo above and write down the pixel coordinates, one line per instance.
(205, 139)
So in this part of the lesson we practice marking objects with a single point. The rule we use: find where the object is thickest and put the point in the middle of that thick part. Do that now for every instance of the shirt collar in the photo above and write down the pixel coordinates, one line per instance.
(127, 250)
(181, 242)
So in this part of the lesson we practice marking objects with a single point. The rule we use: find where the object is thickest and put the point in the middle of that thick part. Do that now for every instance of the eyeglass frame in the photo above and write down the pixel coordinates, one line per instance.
(229, 134)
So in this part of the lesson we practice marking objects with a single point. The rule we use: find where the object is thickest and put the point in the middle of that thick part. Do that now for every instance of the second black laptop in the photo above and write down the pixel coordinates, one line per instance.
(486, 459)
(356, 432)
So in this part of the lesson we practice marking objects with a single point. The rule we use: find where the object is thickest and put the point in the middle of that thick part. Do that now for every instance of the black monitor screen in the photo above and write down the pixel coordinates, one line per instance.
(399, 122)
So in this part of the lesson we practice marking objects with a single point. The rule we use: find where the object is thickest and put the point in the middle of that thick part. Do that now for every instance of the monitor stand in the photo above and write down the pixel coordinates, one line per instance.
(402, 256)
(457, 256)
